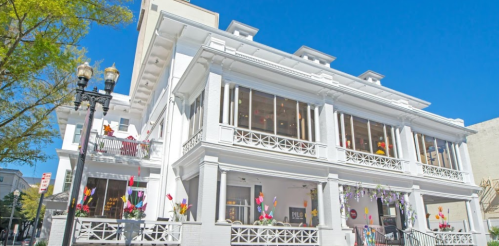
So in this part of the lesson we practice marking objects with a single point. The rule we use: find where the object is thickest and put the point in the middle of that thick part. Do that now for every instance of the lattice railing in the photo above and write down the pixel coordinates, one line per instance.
(109, 231)
(273, 235)
(272, 142)
(123, 147)
(441, 172)
(193, 141)
(455, 238)
(373, 160)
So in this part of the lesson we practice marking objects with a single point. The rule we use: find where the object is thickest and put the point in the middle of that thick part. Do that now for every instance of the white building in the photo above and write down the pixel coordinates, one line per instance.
(11, 180)
(227, 118)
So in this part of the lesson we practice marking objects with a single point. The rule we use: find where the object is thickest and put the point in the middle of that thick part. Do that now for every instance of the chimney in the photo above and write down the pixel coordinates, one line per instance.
(371, 76)
(242, 30)
(316, 56)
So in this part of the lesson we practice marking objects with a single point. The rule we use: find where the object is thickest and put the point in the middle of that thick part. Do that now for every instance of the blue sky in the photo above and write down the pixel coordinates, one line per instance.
(444, 52)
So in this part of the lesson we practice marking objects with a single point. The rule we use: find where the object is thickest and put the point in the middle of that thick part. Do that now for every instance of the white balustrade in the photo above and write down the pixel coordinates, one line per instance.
(112, 231)
(372, 160)
(120, 146)
(444, 173)
(193, 141)
(273, 142)
(455, 238)
(273, 235)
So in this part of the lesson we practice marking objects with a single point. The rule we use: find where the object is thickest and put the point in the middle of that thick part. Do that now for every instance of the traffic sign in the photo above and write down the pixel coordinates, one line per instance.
(44, 184)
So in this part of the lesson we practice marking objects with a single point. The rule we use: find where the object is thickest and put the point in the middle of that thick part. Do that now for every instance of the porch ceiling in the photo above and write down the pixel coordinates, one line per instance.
(431, 199)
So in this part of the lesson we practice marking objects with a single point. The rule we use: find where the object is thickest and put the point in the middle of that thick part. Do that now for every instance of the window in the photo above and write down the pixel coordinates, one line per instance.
(435, 152)
(366, 135)
(106, 201)
(161, 128)
(238, 204)
(124, 125)
(68, 178)
(196, 115)
(1, 178)
(77, 135)
(271, 114)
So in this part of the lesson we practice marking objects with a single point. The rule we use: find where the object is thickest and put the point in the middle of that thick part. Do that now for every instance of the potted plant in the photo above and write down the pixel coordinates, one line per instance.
(443, 225)
(101, 146)
(108, 130)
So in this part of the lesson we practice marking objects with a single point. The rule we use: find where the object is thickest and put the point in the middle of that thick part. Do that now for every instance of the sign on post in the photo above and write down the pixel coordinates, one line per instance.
(44, 184)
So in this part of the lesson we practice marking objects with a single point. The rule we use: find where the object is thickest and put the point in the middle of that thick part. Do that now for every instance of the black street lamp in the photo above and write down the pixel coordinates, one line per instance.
(14, 205)
(84, 74)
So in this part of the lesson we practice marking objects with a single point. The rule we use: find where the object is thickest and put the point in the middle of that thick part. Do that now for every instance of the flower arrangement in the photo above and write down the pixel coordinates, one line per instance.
(135, 206)
(108, 130)
(368, 217)
(369, 235)
(265, 218)
(82, 208)
(145, 147)
(443, 225)
(179, 209)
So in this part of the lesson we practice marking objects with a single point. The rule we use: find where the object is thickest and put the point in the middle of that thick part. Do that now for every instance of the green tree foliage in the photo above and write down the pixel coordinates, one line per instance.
(30, 202)
(38, 56)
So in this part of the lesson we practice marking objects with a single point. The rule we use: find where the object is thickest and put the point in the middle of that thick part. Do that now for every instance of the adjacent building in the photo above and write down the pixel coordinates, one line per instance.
(11, 180)
(220, 121)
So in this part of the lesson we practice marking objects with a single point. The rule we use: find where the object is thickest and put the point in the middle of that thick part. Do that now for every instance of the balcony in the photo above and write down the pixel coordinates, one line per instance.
(455, 238)
(192, 142)
(371, 160)
(112, 231)
(273, 235)
(443, 173)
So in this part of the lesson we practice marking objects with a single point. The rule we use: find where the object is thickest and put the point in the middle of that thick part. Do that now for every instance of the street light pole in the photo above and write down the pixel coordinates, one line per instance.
(85, 72)
(16, 195)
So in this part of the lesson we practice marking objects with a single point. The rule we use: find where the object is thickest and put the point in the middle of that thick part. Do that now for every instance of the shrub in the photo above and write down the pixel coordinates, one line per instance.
(493, 243)
(494, 232)
(41, 243)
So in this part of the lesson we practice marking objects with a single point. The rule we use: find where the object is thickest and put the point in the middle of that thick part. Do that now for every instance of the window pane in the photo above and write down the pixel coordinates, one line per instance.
(114, 205)
(391, 144)
(201, 110)
(97, 202)
(303, 119)
(443, 154)
(422, 157)
(243, 108)
(238, 204)
(196, 122)
(77, 135)
(361, 134)
(192, 118)
(286, 117)
(431, 152)
(348, 131)
(67, 180)
(222, 91)
(377, 138)
(262, 116)
(124, 124)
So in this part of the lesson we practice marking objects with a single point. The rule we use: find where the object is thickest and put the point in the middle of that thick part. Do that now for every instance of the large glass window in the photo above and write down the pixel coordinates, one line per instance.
(68, 178)
(262, 115)
(243, 108)
(286, 118)
(302, 121)
(366, 135)
(238, 204)
(196, 115)
(436, 152)
(77, 135)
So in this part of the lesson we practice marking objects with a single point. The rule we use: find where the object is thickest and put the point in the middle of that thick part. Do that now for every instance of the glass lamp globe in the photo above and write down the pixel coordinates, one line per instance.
(85, 71)
(111, 73)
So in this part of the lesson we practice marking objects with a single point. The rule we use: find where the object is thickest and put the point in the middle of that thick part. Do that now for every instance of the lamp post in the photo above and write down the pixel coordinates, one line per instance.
(14, 203)
(84, 74)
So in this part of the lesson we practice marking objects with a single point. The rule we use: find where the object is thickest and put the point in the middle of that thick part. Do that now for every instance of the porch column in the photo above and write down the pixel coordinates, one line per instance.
(223, 196)
(416, 199)
(407, 211)
(470, 216)
(317, 124)
(320, 200)
(236, 105)
(343, 210)
(226, 103)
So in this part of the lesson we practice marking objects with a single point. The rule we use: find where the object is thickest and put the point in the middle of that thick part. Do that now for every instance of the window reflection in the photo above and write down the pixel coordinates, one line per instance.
(422, 150)
(378, 138)
(436, 152)
(303, 119)
(348, 131)
(431, 151)
(262, 115)
(243, 108)
(286, 117)
(361, 135)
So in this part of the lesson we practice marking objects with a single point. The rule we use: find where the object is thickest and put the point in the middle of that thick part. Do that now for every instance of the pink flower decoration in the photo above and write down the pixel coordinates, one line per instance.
(257, 201)
(266, 207)
(261, 198)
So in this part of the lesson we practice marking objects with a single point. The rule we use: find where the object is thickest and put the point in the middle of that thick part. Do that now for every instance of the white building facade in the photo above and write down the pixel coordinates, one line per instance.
(218, 119)
(11, 180)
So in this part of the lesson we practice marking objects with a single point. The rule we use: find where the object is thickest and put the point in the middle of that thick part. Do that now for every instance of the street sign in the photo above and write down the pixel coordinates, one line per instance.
(15, 228)
(44, 184)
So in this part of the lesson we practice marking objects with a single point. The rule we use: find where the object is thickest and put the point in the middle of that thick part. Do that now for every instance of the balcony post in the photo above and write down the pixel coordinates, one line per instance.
(417, 202)
(226, 103)
(236, 105)
(222, 196)
(320, 200)
(317, 125)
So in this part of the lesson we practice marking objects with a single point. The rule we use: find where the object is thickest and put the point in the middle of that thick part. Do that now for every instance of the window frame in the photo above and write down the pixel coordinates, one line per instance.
(123, 125)
(74, 134)
(450, 147)
(70, 173)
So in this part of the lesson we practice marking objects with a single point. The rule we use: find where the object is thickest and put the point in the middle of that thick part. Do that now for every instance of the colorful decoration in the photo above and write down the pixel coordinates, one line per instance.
(265, 218)
(369, 235)
(179, 209)
(135, 206)
(108, 130)
(443, 225)
(82, 208)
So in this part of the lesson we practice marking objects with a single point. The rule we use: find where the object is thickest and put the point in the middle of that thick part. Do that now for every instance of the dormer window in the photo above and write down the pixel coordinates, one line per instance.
(371, 76)
(315, 56)
(242, 30)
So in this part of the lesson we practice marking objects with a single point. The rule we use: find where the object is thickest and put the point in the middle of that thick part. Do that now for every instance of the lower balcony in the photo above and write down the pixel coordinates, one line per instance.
(273, 235)
(112, 231)
(443, 173)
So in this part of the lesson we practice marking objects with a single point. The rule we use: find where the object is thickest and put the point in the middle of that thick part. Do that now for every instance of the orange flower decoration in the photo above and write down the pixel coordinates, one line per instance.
(305, 203)
(440, 209)
(437, 217)
(108, 128)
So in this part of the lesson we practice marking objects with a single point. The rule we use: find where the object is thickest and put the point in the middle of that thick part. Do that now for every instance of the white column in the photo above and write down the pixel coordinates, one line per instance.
(222, 196)
(416, 200)
(317, 125)
(320, 200)
(336, 128)
(236, 105)
(309, 120)
(458, 155)
(407, 204)
(470, 216)
(399, 144)
(343, 211)
(226, 103)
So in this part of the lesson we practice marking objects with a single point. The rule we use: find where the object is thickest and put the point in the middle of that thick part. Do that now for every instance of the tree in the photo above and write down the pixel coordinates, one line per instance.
(6, 208)
(30, 203)
(38, 57)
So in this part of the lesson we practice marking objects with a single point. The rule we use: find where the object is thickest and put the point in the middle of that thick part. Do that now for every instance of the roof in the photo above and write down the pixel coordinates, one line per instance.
(59, 197)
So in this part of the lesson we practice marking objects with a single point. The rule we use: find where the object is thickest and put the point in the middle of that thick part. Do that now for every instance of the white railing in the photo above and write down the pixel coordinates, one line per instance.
(273, 235)
(455, 238)
(120, 146)
(272, 142)
(111, 231)
(193, 141)
(440, 172)
(372, 160)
